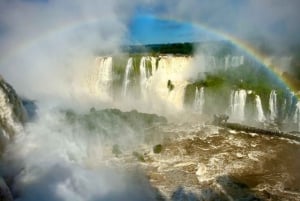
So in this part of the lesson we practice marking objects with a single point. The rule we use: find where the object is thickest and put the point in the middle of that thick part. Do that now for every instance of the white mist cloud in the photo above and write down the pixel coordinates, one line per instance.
(46, 44)
(53, 160)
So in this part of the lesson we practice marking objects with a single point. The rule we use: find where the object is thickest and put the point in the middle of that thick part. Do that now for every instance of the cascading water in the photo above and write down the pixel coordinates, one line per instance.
(237, 104)
(12, 113)
(226, 62)
(143, 77)
(233, 61)
(126, 81)
(273, 105)
(297, 115)
(101, 79)
(170, 70)
(69, 156)
(260, 112)
(242, 60)
(199, 100)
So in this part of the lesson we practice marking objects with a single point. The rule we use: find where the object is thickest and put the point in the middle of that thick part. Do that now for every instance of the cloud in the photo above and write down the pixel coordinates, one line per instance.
(45, 43)
(273, 21)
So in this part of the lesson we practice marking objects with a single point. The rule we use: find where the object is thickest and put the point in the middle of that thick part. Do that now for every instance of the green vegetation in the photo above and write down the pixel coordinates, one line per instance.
(113, 122)
(250, 76)
(218, 48)
(176, 48)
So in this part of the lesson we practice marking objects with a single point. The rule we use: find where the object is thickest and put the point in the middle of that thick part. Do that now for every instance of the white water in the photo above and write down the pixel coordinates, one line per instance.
(297, 115)
(171, 69)
(199, 100)
(60, 162)
(126, 81)
(260, 112)
(273, 105)
(143, 77)
(70, 162)
(12, 113)
(101, 78)
(237, 105)
(233, 61)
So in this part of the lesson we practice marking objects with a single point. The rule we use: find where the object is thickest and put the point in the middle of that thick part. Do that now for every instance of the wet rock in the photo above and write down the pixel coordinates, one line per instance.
(5, 194)
(266, 194)
(157, 149)
(12, 114)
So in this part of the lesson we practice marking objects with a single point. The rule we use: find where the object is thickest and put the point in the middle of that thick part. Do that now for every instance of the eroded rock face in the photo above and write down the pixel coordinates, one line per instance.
(5, 194)
(12, 112)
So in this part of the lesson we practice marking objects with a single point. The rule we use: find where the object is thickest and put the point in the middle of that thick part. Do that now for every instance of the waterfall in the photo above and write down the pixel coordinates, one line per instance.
(260, 112)
(176, 97)
(242, 60)
(273, 105)
(143, 77)
(237, 104)
(227, 62)
(235, 61)
(126, 81)
(12, 112)
(172, 70)
(101, 79)
(199, 100)
(297, 115)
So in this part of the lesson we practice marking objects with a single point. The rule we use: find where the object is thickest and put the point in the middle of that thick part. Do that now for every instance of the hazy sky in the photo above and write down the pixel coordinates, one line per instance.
(152, 21)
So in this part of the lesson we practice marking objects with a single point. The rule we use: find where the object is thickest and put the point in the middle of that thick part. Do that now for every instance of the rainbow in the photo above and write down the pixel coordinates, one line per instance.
(246, 47)
(260, 58)
(74, 25)
(59, 30)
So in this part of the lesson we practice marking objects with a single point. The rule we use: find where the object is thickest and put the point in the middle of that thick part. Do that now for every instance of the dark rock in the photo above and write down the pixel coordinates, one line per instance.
(5, 194)
(170, 85)
(157, 148)
(138, 156)
(219, 119)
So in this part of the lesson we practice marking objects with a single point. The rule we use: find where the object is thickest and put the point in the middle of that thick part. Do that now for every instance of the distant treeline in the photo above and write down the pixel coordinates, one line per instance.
(187, 48)
(174, 48)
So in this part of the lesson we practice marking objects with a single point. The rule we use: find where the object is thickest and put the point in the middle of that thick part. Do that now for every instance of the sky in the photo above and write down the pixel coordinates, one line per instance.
(148, 29)
(39, 38)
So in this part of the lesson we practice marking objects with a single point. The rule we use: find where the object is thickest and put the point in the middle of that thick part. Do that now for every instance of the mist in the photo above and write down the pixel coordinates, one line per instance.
(50, 42)
(47, 52)
(46, 44)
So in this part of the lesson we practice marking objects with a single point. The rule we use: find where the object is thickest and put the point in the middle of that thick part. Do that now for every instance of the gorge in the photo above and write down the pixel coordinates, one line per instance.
(153, 138)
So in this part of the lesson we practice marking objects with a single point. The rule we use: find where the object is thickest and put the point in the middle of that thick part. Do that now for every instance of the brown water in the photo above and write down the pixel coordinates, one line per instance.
(210, 163)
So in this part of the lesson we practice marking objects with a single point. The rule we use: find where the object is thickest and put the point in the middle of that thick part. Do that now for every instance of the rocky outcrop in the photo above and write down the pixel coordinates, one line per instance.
(262, 131)
(5, 194)
(12, 112)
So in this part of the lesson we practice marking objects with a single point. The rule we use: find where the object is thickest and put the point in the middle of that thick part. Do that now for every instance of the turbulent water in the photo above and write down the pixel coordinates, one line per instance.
(100, 153)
